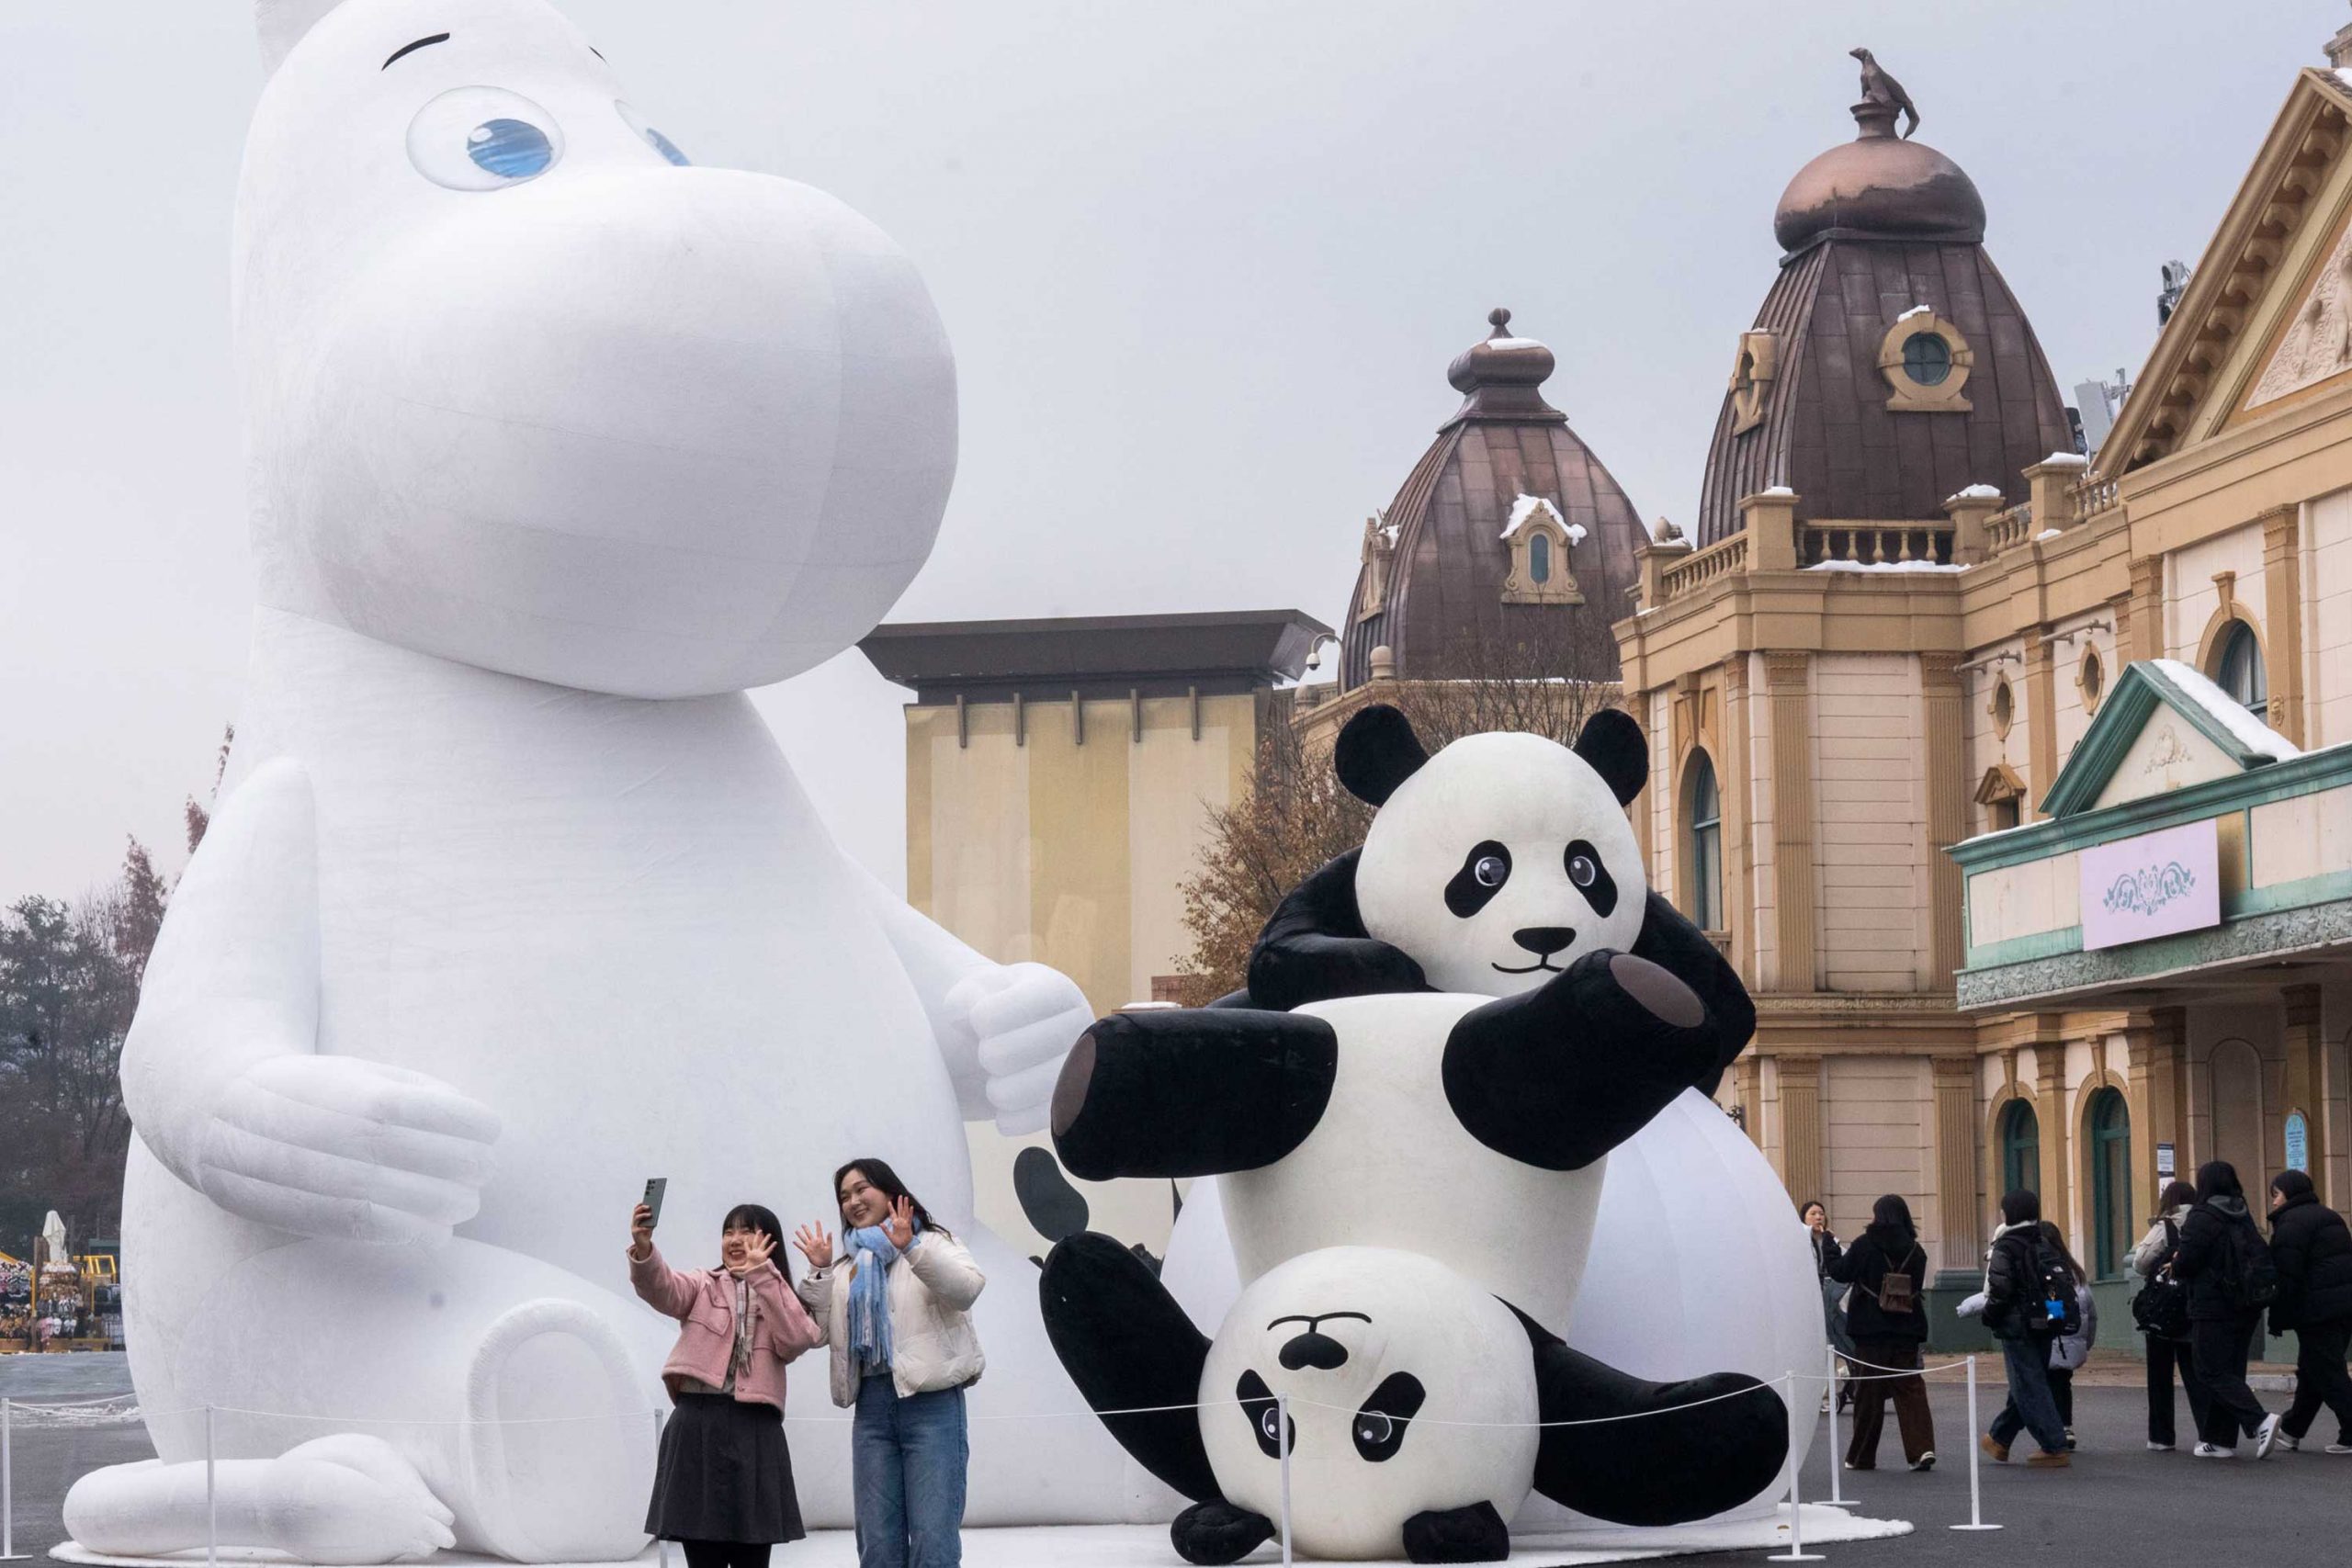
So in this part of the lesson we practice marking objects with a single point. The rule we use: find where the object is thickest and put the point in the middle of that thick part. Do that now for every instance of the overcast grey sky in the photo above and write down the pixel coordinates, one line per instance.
(1204, 265)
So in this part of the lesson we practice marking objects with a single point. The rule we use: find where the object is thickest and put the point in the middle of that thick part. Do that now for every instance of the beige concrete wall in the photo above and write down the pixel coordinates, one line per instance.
(1987, 747)
(2191, 596)
(1871, 822)
(2071, 637)
(1660, 802)
(1173, 783)
(2327, 620)
(2309, 835)
(2024, 899)
(1761, 823)
(1878, 1132)
(968, 828)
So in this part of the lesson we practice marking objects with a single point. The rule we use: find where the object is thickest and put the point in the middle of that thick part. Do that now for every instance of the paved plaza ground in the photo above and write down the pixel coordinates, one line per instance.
(2118, 1505)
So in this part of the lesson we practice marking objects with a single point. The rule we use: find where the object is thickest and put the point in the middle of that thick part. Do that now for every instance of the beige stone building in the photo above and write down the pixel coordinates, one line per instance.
(2021, 904)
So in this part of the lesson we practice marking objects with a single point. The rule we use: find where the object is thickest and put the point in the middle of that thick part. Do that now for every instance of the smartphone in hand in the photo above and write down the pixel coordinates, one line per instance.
(655, 1188)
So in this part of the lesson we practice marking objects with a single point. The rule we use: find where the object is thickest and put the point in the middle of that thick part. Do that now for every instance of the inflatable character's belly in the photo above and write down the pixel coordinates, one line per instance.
(1389, 1166)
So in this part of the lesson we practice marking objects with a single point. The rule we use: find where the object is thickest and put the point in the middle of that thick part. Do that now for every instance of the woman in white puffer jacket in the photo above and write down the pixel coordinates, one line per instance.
(895, 1310)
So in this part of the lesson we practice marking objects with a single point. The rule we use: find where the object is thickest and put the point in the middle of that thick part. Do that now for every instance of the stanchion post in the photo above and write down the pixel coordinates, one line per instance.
(1281, 1446)
(8, 1552)
(1975, 1451)
(1836, 1483)
(1796, 1551)
(211, 1499)
(657, 1471)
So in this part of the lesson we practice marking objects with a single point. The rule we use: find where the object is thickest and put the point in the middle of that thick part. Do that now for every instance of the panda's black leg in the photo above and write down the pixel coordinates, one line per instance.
(1475, 1534)
(1217, 1532)
(1128, 1346)
(1669, 941)
(1559, 1075)
(1663, 1468)
(1198, 1092)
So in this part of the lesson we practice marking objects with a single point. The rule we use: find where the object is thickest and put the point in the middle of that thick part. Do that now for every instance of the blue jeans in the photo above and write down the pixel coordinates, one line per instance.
(906, 1463)
(2032, 1406)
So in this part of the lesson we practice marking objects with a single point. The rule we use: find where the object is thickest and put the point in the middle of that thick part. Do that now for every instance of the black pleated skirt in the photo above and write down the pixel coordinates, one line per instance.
(724, 1474)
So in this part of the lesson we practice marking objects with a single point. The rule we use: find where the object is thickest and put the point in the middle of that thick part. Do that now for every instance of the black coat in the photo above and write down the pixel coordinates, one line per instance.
(2207, 1259)
(2011, 1281)
(1825, 1251)
(2312, 1248)
(1864, 1265)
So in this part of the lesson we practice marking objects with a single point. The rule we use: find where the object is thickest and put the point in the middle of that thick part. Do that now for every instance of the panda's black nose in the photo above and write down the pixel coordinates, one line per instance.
(1312, 1349)
(1544, 941)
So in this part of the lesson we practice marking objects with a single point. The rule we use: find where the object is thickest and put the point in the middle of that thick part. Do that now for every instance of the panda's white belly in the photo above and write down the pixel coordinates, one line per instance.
(1390, 1166)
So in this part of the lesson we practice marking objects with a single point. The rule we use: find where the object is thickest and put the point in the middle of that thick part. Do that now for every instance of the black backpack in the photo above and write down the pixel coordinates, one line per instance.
(2252, 1281)
(2161, 1309)
(2048, 1299)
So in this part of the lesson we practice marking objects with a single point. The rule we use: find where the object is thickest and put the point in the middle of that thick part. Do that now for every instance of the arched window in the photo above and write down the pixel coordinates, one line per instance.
(1539, 558)
(2238, 668)
(2020, 1149)
(1703, 841)
(2112, 1230)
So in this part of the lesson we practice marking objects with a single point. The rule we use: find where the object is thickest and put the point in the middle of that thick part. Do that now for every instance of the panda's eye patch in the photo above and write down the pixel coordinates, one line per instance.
(1484, 871)
(1591, 877)
(1264, 1414)
(1379, 1427)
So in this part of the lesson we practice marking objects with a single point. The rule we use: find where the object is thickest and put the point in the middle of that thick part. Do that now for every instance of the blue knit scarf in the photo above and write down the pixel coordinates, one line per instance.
(869, 1294)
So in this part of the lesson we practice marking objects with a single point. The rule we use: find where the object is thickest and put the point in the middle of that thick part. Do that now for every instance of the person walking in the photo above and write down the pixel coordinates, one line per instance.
(2161, 1310)
(722, 1484)
(2226, 1266)
(2019, 1270)
(2312, 1248)
(895, 1309)
(1826, 1253)
(2070, 1349)
(1887, 1268)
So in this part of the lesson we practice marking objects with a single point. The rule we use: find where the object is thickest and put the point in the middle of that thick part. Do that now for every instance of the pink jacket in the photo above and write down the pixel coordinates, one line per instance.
(704, 1304)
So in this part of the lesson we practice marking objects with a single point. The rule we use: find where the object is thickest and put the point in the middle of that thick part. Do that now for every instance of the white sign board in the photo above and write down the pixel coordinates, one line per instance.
(2156, 884)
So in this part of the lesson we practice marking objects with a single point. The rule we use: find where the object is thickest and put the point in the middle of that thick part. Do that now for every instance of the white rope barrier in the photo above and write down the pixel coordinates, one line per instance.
(1975, 1494)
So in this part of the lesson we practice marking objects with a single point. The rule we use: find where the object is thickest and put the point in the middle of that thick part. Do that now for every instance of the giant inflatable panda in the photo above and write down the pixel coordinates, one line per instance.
(1470, 1124)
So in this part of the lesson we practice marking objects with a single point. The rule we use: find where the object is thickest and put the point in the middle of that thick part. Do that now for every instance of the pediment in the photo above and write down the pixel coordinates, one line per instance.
(2162, 727)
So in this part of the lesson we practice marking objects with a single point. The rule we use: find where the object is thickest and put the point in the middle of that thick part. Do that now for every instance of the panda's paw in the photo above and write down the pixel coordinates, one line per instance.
(1475, 1534)
(1217, 1532)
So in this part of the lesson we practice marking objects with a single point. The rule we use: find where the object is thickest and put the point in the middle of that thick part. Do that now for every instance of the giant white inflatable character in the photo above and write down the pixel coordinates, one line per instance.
(556, 445)
(1471, 1122)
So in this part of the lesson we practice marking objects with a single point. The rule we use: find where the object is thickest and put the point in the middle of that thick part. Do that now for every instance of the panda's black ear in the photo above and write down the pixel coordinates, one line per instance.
(1611, 741)
(1377, 750)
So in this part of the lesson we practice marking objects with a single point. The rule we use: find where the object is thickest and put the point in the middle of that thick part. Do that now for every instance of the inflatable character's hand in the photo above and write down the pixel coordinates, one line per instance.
(1025, 1017)
(338, 1148)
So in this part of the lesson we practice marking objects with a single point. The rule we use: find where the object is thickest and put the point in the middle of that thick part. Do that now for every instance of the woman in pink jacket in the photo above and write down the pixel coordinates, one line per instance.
(723, 1487)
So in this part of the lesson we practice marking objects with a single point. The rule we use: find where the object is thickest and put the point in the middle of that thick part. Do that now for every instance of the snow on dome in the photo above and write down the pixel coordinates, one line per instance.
(1915, 311)
(1527, 506)
(2248, 730)
(1974, 492)
(1575, 533)
(1512, 343)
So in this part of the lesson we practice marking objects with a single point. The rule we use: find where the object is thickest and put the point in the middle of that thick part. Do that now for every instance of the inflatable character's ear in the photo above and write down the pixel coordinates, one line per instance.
(281, 24)
(1613, 742)
(1377, 751)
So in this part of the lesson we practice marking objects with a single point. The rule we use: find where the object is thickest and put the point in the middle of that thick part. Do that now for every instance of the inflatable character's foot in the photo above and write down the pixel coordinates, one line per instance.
(342, 1499)
(1475, 1534)
(558, 1449)
(1128, 1347)
(1216, 1532)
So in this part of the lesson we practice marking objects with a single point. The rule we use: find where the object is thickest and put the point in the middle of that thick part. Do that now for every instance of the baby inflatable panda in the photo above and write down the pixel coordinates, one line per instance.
(1344, 1102)
(1411, 1406)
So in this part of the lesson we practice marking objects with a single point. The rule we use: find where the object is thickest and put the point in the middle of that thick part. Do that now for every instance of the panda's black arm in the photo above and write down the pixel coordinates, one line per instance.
(1128, 1347)
(1314, 946)
(1559, 1075)
(1198, 1092)
(1696, 1448)
(1669, 941)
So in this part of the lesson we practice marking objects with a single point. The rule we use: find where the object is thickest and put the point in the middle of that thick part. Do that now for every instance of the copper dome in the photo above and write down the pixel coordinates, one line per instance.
(1879, 186)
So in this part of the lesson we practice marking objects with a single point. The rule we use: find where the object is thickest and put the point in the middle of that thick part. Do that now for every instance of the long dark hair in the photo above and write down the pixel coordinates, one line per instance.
(2217, 1178)
(886, 1182)
(2057, 1238)
(758, 1217)
(2019, 1205)
(2177, 1194)
(1891, 1223)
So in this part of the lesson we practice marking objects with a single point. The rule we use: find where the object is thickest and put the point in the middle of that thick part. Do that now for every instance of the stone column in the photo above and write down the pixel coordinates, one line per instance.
(1946, 766)
(1739, 802)
(2307, 1076)
(2147, 640)
(1748, 1074)
(2282, 576)
(1785, 682)
(1801, 1125)
(2057, 1135)
(1960, 1197)
(2042, 721)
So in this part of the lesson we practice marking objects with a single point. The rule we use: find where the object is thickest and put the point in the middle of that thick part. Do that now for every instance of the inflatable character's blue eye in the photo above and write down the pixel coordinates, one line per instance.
(511, 149)
(653, 138)
(484, 139)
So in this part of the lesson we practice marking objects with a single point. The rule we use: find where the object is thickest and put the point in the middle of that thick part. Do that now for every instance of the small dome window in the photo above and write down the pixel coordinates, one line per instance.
(1539, 559)
(1926, 358)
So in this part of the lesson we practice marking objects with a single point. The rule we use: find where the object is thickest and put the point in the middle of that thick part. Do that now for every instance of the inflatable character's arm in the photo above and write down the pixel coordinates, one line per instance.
(1669, 941)
(1559, 1075)
(1002, 1029)
(1315, 947)
(221, 1073)
(1192, 1093)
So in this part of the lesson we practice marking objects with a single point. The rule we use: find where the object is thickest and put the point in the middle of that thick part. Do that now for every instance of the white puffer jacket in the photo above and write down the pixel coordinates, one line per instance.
(932, 1343)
